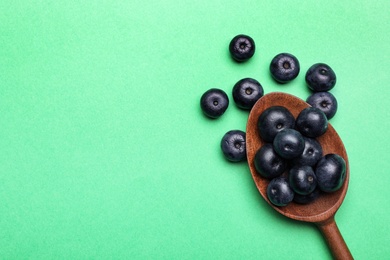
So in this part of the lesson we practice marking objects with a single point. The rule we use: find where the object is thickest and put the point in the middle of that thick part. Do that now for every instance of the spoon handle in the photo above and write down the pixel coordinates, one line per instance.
(334, 239)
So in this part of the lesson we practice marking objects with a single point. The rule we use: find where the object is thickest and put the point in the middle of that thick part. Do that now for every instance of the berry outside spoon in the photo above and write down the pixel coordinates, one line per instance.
(321, 211)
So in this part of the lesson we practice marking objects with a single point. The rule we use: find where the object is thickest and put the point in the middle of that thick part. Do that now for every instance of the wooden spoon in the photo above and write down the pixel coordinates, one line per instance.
(323, 209)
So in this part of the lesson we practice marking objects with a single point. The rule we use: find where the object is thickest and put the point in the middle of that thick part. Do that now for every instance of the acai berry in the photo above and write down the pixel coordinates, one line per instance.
(330, 172)
(268, 163)
(325, 101)
(273, 120)
(242, 47)
(312, 122)
(284, 67)
(311, 153)
(246, 92)
(214, 102)
(320, 77)
(289, 143)
(233, 145)
(279, 192)
(302, 179)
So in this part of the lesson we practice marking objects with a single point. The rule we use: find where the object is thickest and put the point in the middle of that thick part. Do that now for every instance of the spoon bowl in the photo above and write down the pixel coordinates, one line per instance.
(323, 209)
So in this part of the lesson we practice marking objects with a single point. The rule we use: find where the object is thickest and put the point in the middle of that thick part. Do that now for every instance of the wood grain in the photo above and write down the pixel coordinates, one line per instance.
(323, 209)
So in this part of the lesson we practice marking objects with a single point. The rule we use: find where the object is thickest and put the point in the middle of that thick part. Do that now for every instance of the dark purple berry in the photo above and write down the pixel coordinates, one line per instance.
(246, 92)
(320, 77)
(233, 145)
(242, 47)
(330, 172)
(312, 122)
(214, 102)
(324, 101)
(268, 163)
(284, 67)
(302, 179)
(288, 143)
(279, 192)
(311, 154)
(273, 120)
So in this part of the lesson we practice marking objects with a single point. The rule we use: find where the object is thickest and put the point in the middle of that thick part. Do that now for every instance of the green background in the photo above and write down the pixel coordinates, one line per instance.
(105, 153)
